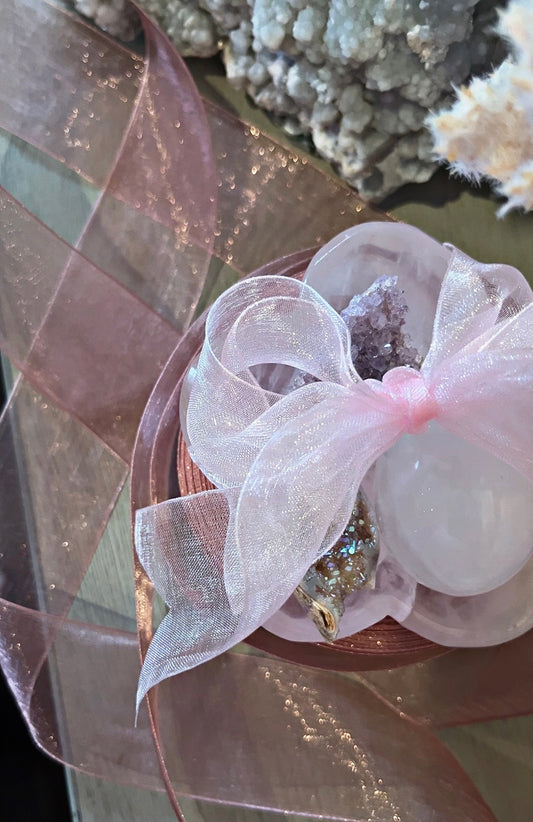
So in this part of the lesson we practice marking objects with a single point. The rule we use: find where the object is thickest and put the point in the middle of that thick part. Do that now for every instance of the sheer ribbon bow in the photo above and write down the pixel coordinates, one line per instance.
(287, 467)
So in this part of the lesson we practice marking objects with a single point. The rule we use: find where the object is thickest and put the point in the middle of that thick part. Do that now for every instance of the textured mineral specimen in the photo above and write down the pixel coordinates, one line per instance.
(358, 76)
(349, 565)
(117, 17)
(489, 130)
(376, 322)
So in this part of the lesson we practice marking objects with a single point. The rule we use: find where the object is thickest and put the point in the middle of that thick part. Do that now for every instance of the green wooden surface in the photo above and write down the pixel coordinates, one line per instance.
(498, 755)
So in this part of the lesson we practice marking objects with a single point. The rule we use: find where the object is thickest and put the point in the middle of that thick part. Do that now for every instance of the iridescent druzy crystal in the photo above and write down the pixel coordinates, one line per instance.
(349, 565)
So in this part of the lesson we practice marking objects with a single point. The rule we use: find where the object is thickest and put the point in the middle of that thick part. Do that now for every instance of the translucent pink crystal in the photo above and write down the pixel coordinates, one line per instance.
(457, 519)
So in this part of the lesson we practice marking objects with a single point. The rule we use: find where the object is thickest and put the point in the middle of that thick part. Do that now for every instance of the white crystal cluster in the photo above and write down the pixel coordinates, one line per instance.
(357, 76)
(489, 130)
(117, 17)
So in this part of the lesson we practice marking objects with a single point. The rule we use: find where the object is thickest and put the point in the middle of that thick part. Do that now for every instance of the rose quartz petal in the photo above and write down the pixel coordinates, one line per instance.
(476, 621)
(456, 518)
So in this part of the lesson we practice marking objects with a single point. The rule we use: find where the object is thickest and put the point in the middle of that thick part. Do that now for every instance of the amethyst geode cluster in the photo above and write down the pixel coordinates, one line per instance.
(376, 321)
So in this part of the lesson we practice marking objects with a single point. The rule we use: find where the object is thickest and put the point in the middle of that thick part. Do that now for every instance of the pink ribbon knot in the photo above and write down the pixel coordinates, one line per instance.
(410, 394)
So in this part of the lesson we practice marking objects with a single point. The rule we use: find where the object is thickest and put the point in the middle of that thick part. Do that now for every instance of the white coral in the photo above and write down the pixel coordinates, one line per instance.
(489, 130)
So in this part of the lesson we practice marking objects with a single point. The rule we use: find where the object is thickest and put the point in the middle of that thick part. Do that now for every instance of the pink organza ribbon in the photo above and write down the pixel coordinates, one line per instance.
(287, 467)
(90, 325)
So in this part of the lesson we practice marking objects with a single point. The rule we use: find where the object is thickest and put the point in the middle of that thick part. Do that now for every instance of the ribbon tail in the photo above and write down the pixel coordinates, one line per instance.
(226, 561)
(180, 543)
(485, 391)
(495, 682)
(473, 299)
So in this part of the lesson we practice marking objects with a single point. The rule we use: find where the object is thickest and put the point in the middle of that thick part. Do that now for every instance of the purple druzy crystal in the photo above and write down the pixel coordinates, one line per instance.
(376, 320)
